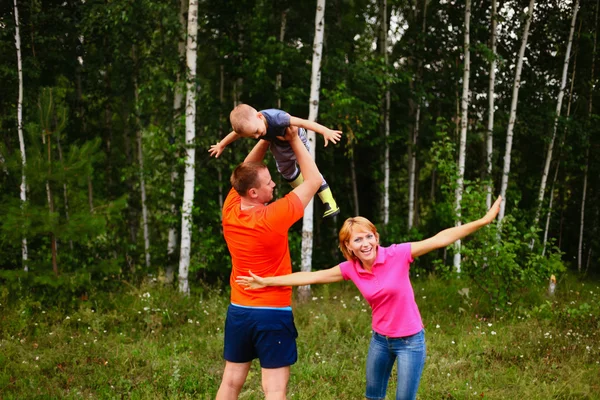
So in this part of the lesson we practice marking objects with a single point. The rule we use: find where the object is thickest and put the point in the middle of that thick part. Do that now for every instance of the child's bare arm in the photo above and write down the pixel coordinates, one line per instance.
(216, 149)
(328, 134)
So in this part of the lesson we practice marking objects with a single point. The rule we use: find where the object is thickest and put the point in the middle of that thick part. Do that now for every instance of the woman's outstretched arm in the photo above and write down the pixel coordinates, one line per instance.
(296, 279)
(451, 235)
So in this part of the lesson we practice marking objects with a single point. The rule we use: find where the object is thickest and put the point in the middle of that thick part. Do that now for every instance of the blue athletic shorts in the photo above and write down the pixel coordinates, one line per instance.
(264, 333)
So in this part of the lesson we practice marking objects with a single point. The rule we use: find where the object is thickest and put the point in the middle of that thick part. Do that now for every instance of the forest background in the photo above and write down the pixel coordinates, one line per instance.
(106, 124)
(108, 109)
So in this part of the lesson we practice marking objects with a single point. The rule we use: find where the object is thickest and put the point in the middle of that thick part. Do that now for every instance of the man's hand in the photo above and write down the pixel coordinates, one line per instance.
(291, 132)
(251, 282)
(216, 150)
(332, 136)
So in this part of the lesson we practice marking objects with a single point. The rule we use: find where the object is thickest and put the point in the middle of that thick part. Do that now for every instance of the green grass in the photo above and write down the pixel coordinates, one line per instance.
(152, 343)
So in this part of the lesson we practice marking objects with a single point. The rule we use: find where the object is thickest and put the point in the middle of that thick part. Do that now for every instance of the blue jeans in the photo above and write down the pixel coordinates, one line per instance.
(383, 351)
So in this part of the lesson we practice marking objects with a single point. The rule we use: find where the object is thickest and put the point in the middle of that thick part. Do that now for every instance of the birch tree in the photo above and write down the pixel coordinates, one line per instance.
(23, 187)
(315, 85)
(551, 197)
(463, 130)
(140, 150)
(587, 152)
(490, 125)
(561, 94)
(513, 111)
(177, 102)
(190, 151)
(278, 78)
(412, 164)
(386, 117)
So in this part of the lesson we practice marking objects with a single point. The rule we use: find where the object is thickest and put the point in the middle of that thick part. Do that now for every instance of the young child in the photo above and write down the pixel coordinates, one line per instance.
(270, 125)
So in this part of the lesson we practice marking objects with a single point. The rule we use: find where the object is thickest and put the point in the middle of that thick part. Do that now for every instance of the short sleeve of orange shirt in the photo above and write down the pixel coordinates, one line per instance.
(257, 239)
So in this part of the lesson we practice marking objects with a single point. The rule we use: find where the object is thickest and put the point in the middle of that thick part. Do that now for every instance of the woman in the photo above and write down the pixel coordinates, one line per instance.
(381, 275)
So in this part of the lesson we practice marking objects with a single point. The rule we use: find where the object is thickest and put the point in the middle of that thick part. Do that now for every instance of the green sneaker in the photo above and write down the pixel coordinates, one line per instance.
(330, 212)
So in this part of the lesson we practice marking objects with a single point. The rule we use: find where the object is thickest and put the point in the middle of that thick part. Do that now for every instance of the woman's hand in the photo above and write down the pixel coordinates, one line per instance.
(493, 211)
(251, 282)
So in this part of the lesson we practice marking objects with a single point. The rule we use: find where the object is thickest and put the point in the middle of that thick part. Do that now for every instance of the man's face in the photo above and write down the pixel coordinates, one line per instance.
(264, 191)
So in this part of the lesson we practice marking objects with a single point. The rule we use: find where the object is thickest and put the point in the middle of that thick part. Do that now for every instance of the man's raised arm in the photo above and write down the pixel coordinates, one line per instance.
(312, 178)
(257, 154)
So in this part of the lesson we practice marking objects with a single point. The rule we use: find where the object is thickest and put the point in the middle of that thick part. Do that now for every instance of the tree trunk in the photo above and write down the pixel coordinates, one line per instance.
(513, 112)
(140, 150)
(414, 136)
(561, 94)
(46, 139)
(23, 187)
(582, 218)
(464, 119)
(570, 102)
(65, 189)
(190, 157)
(490, 126)
(386, 116)
(315, 85)
(177, 102)
(281, 37)
(354, 183)
(587, 153)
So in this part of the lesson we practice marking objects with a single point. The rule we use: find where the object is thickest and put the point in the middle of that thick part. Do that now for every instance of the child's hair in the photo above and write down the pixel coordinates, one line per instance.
(245, 176)
(240, 116)
(346, 233)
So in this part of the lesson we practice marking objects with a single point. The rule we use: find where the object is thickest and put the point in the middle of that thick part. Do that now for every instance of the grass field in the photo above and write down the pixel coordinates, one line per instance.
(151, 343)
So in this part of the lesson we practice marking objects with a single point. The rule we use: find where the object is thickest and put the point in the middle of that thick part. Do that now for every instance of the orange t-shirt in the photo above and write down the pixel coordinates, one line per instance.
(257, 239)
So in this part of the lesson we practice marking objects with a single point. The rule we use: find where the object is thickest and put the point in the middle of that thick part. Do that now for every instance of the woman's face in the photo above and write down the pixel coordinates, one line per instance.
(363, 244)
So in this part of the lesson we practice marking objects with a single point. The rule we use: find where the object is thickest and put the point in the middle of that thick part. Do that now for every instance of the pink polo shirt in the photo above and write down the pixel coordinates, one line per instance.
(388, 290)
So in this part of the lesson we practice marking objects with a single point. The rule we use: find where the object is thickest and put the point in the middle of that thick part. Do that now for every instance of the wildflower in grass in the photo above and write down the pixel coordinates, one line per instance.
(493, 333)
(315, 298)
(437, 326)
(489, 324)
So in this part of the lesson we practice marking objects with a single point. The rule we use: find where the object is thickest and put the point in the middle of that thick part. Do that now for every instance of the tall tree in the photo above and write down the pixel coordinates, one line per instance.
(190, 149)
(464, 119)
(315, 86)
(414, 135)
(386, 114)
(561, 95)
(587, 151)
(177, 102)
(23, 187)
(513, 111)
(490, 125)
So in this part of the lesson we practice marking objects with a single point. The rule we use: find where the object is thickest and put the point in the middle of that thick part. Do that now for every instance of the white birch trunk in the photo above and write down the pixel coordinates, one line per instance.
(587, 155)
(561, 94)
(412, 164)
(177, 102)
(582, 218)
(412, 168)
(551, 200)
(386, 117)
(491, 110)
(281, 37)
(513, 112)
(23, 187)
(190, 157)
(463, 131)
(138, 136)
(354, 183)
(315, 85)
(143, 196)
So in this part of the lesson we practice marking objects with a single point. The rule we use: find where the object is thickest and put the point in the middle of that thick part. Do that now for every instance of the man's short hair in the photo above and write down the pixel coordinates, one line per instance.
(240, 116)
(245, 176)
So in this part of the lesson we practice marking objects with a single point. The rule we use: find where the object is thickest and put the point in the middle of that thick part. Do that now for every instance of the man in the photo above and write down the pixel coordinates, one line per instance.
(260, 323)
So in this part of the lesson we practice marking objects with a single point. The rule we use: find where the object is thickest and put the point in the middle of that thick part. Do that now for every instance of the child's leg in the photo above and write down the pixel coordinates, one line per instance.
(324, 192)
